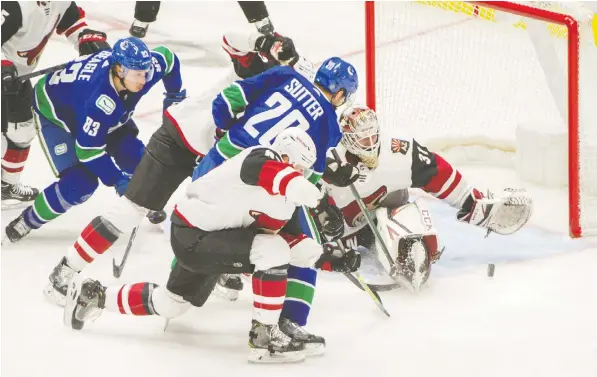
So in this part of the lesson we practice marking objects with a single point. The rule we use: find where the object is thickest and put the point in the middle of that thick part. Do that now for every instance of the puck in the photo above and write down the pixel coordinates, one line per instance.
(490, 269)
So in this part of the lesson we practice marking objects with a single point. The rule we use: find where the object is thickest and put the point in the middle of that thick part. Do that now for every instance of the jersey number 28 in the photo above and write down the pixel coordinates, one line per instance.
(279, 106)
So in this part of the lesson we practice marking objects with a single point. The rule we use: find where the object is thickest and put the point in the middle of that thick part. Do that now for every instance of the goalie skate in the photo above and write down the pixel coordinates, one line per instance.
(269, 345)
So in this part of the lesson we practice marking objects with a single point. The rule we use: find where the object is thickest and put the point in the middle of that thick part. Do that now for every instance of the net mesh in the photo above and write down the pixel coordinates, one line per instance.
(453, 74)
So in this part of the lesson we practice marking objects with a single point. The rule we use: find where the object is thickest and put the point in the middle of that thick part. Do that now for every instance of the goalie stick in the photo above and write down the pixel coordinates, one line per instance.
(117, 268)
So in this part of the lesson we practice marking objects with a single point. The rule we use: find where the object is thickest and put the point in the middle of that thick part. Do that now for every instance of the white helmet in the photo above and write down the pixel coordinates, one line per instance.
(360, 133)
(297, 146)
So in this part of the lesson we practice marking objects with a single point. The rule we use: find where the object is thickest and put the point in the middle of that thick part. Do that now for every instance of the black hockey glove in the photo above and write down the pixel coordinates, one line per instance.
(341, 175)
(91, 41)
(330, 217)
(278, 47)
(10, 84)
(349, 262)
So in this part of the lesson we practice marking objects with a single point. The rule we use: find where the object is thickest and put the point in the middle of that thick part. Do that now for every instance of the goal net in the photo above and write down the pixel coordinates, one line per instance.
(456, 74)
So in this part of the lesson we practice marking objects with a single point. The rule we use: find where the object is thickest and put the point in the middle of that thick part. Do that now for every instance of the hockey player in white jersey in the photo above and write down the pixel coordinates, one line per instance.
(237, 218)
(187, 133)
(26, 29)
(388, 166)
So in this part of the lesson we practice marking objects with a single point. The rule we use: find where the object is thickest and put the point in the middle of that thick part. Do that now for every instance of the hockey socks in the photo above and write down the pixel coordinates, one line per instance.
(94, 240)
(300, 293)
(269, 289)
(13, 164)
(133, 299)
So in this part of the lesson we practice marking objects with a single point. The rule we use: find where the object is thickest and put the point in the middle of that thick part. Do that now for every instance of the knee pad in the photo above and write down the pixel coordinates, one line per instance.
(77, 184)
(268, 251)
(124, 214)
(21, 133)
(305, 252)
(168, 304)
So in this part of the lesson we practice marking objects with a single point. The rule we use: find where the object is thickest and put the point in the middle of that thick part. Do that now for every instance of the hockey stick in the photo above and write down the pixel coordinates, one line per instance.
(117, 268)
(356, 278)
(41, 72)
(363, 208)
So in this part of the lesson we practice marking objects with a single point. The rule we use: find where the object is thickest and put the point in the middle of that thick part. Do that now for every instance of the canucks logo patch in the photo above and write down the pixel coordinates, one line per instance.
(400, 146)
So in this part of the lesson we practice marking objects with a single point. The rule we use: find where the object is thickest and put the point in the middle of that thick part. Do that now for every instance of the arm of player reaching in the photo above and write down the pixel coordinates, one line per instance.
(90, 146)
(263, 167)
(72, 23)
(167, 69)
(434, 175)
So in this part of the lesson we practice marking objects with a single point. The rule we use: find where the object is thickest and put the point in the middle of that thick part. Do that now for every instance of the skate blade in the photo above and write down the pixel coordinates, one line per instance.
(53, 296)
(72, 299)
(9, 204)
(314, 349)
(263, 356)
(226, 293)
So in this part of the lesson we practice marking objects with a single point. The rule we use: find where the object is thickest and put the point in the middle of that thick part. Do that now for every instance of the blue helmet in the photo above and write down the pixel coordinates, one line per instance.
(132, 53)
(335, 74)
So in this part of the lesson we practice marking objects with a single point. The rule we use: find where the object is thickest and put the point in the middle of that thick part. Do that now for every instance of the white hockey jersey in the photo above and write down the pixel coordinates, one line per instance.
(28, 25)
(402, 164)
(245, 191)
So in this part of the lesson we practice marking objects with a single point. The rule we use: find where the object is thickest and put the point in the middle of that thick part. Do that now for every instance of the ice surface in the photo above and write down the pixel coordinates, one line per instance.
(536, 317)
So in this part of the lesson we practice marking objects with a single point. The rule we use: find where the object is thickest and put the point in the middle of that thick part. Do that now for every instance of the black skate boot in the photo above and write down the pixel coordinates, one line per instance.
(314, 345)
(85, 301)
(56, 289)
(157, 217)
(139, 29)
(270, 345)
(229, 286)
(17, 195)
(16, 230)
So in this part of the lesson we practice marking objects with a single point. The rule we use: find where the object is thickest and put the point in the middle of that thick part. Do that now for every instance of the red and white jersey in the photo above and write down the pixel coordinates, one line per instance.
(402, 164)
(246, 191)
(28, 25)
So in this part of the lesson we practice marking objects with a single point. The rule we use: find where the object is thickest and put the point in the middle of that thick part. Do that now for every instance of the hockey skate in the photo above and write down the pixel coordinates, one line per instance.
(85, 301)
(504, 213)
(17, 195)
(228, 286)
(314, 345)
(57, 288)
(270, 345)
(16, 230)
(139, 29)
(157, 217)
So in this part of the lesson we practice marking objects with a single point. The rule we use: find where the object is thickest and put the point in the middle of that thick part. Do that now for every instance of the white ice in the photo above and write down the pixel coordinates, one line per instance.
(536, 317)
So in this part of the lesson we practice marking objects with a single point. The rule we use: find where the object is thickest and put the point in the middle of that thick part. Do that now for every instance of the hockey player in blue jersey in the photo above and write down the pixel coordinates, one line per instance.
(84, 114)
(253, 111)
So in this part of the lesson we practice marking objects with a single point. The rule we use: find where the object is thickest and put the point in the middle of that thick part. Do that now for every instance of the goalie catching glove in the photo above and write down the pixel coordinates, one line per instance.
(348, 262)
(504, 213)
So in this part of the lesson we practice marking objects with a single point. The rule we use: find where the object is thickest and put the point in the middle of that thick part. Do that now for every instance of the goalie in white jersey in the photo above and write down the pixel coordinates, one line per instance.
(388, 166)
(237, 218)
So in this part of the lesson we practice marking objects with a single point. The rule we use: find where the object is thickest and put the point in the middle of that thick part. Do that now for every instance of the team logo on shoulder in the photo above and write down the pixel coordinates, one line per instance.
(105, 104)
(400, 146)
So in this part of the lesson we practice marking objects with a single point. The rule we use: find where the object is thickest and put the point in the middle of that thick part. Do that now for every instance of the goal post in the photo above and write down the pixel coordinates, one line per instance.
(468, 73)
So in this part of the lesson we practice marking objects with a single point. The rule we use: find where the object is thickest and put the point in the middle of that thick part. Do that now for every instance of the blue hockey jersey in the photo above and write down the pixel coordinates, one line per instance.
(257, 109)
(82, 100)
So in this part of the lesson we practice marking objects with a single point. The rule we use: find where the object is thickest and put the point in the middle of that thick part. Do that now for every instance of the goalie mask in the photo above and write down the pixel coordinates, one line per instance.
(360, 134)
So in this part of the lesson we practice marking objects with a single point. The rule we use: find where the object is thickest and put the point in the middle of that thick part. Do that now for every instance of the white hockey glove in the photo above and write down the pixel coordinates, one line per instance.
(504, 213)
(303, 193)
